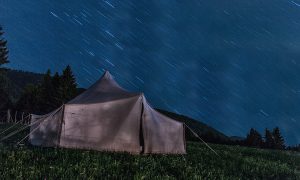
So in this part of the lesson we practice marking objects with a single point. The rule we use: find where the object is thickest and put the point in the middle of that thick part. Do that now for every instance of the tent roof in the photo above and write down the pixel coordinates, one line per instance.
(104, 90)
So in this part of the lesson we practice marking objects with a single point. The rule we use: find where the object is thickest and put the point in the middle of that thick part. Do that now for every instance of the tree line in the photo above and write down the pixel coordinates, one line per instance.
(271, 140)
(39, 98)
(43, 97)
(51, 93)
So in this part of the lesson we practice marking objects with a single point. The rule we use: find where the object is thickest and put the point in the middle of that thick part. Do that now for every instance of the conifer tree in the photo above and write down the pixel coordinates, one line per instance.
(30, 100)
(56, 83)
(3, 58)
(68, 86)
(269, 139)
(5, 101)
(3, 48)
(47, 92)
(278, 139)
(254, 139)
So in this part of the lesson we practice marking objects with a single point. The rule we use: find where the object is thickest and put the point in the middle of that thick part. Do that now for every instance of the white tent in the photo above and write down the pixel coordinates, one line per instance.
(108, 118)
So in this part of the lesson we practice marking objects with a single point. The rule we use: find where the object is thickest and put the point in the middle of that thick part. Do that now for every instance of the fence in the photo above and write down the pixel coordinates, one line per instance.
(14, 117)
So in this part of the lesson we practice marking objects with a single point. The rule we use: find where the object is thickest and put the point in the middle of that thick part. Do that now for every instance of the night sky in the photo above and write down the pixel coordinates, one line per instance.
(232, 64)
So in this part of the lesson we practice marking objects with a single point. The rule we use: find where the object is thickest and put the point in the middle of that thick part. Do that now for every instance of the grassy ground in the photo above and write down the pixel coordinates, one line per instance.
(200, 163)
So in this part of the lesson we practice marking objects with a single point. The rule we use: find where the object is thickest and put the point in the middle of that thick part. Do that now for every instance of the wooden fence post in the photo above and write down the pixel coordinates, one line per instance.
(16, 113)
(22, 120)
(8, 116)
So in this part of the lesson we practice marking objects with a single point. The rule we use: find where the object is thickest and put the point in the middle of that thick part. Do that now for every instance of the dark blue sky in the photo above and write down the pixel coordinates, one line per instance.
(232, 64)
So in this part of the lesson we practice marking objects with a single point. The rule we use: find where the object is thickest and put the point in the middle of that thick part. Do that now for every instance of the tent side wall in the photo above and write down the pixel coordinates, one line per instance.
(108, 126)
(44, 130)
(162, 135)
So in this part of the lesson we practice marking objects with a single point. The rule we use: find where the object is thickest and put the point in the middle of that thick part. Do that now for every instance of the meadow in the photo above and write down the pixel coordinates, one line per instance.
(233, 162)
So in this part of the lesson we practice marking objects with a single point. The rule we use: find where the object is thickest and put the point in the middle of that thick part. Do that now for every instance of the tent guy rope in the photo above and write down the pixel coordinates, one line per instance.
(19, 122)
(35, 129)
(195, 134)
(19, 130)
(26, 126)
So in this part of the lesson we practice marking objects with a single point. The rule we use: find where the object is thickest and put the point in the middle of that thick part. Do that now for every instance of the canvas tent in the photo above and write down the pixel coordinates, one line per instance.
(106, 117)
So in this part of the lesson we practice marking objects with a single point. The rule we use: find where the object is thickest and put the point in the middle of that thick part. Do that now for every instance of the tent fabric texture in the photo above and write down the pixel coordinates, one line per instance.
(106, 117)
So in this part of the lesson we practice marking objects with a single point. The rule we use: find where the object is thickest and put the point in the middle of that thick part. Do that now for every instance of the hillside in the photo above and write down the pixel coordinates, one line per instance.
(206, 132)
(19, 79)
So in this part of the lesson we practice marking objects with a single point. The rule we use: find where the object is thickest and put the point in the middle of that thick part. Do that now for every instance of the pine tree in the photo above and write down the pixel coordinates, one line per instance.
(3, 58)
(5, 101)
(30, 100)
(269, 139)
(68, 86)
(254, 139)
(56, 80)
(278, 139)
(56, 83)
(47, 93)
(3, 49)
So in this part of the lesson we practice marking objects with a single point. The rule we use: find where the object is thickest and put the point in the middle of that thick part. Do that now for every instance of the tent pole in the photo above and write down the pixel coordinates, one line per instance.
(61, 124)
(28, 121)
(141, 133)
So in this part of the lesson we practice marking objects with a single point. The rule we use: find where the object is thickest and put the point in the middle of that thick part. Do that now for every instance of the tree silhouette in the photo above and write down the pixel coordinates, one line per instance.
(3, 48)
(254, 139)
(278, 139)
(269, 139)
(47, 101)
(51, 93)
(30, 99)
(68, 86)
(5, 101)
(56, 83)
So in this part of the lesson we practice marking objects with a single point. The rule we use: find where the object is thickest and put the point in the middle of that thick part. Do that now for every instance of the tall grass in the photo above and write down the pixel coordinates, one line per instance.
(200, 163)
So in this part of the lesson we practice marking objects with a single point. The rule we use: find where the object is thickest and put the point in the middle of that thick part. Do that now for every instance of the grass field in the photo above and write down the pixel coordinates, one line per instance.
(200, 163)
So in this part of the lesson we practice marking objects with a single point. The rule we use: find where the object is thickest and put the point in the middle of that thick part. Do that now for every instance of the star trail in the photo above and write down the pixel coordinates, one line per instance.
(231, 64)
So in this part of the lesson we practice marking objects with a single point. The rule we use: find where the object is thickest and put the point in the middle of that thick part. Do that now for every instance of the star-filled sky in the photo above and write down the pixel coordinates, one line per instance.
(232, 64)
